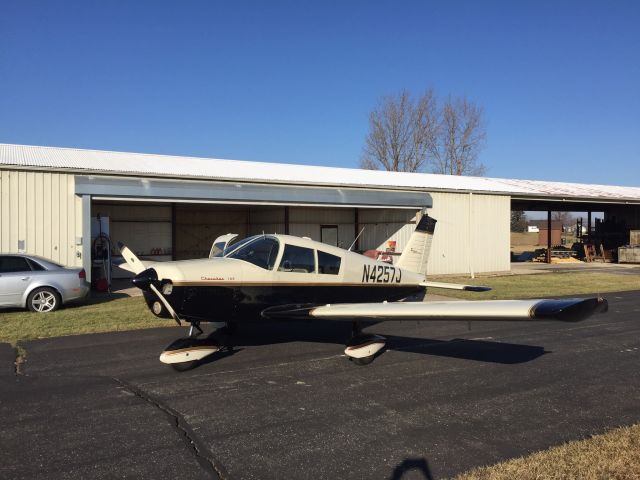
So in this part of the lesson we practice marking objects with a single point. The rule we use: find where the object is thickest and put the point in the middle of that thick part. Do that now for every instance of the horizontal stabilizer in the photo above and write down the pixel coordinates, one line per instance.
(456, 286)
(565, 310)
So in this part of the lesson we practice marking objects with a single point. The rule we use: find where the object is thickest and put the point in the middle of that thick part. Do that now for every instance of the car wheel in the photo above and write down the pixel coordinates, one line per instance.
(43, 300)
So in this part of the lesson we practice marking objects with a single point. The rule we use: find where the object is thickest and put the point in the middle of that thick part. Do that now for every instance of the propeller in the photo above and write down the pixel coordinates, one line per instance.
(166, 304)
(146, 280)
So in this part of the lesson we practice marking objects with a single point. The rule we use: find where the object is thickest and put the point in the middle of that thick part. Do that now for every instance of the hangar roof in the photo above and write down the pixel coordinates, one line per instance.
(143, 164)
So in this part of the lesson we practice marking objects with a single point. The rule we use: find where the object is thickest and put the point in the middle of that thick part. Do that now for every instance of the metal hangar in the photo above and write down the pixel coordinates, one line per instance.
(55, 202)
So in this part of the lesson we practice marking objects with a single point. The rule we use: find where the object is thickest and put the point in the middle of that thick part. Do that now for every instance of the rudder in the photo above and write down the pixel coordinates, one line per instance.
(415, 255)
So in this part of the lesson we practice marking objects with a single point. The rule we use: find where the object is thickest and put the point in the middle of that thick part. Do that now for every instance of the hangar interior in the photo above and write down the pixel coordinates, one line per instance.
(180, 231)
(611, 232)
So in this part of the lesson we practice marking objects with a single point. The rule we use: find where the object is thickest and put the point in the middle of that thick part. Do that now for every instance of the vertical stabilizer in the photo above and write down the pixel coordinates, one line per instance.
(416, 253)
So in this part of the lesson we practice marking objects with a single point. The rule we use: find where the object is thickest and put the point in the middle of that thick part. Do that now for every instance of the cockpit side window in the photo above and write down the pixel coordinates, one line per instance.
(261, 252)
(328, 264)
(231, 249)
(297, 260)
(217, 250)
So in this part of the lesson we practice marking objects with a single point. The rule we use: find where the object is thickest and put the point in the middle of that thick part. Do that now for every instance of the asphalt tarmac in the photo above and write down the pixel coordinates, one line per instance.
(284, 402)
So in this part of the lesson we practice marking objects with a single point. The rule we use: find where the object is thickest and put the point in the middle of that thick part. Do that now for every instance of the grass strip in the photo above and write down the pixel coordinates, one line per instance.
(96, 316)
(540, 285)
(615, 454)
(111, 315)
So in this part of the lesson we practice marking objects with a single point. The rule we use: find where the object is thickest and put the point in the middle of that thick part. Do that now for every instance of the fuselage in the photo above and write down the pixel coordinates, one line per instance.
(269, 271)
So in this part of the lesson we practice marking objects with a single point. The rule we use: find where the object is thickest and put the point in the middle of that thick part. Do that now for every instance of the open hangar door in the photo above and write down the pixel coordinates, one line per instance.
(198, 224)
(181, 231)
(179, 218)
(603, 225)
(163, 231)
(146, 228)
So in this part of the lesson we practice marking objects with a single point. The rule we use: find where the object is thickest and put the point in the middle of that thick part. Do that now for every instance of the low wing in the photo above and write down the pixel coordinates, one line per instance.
(455, 286)
(565, 310)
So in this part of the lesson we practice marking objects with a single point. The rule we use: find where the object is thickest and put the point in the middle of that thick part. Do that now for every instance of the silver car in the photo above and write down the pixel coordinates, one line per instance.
(29, 281)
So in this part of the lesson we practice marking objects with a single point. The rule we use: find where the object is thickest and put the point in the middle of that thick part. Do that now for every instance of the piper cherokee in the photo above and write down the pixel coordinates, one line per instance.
(281, 277)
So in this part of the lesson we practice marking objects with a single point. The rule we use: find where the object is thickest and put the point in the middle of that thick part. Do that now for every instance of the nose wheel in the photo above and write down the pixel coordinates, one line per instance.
(187, 352)
(362, 349)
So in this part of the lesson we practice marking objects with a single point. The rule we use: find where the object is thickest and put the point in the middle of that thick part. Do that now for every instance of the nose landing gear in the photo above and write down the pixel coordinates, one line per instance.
(186, 353)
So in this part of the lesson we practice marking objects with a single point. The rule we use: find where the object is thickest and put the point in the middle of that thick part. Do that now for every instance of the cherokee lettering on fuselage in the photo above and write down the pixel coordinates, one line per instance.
(381, 274)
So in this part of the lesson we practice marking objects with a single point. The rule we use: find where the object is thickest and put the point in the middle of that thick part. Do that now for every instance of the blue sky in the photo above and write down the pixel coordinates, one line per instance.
(294, 81)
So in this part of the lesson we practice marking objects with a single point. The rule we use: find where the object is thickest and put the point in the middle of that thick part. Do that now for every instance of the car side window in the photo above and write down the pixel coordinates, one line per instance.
(328, 264)
(297, 260)
(35, 266)
(10, 264)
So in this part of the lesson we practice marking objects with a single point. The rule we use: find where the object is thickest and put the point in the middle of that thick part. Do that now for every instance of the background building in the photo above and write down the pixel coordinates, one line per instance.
(169, 207)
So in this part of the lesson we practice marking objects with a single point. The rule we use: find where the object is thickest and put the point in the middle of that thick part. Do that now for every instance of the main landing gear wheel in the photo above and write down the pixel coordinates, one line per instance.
(184, 366)
(362, 349)
(363, 361)
(230, 328)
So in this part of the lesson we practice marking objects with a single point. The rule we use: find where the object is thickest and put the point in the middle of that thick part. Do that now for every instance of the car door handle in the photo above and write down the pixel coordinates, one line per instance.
(25, 278)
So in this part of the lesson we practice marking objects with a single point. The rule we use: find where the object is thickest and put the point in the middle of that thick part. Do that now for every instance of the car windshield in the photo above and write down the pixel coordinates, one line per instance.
(259, 250)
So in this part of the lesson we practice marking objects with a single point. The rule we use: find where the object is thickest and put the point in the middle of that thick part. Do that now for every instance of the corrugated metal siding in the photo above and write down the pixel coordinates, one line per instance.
(306, 222)
(124, 212)
(42, 210)
(266, 220)
(381, 226)
(472, 234)
(198, 225)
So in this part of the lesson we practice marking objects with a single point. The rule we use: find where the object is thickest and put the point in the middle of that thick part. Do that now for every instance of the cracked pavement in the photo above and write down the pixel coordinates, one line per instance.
(285, 402)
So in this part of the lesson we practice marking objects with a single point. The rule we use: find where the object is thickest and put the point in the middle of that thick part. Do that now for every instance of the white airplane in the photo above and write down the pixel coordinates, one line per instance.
(287, 277)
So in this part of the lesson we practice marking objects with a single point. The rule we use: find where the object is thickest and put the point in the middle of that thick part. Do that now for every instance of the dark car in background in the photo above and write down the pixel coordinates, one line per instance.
(33, 282)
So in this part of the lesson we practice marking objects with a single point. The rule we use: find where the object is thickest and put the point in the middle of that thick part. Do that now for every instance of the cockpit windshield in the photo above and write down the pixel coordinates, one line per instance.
(259, 250)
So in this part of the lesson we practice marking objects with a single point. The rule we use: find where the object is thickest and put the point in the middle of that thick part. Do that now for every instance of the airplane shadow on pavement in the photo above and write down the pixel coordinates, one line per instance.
(338, 333)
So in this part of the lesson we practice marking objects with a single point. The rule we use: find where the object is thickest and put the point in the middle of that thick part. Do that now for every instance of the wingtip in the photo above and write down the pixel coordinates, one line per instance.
(476, 288)
(570, 309)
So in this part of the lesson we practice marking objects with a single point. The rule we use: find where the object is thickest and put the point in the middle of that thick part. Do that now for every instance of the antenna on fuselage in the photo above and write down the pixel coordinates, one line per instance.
(356, 239)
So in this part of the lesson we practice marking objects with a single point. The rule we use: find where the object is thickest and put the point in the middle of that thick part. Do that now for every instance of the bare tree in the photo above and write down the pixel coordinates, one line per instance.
(461, 138)
(518, 221)
(565, 217)
(407, 135)
(402, 133)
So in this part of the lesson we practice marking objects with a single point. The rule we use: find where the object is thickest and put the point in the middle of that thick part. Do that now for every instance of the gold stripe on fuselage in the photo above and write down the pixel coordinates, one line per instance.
(287, 284)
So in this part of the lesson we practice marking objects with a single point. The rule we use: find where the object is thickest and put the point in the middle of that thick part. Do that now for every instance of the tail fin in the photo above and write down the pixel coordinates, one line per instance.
(416, 253)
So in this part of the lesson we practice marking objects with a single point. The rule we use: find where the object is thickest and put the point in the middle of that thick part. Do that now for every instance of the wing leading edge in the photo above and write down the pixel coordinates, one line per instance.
(565, 310)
